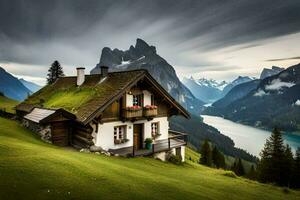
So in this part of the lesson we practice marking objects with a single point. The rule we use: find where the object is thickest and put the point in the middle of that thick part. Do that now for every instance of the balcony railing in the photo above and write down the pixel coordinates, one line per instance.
(175, 139)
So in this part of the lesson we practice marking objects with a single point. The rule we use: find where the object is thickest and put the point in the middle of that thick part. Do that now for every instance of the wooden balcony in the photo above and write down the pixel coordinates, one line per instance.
(132, 113)
(149, 112)
(175, 139)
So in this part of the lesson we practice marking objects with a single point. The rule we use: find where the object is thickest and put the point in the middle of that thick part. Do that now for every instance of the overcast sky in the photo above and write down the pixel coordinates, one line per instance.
(212, 39)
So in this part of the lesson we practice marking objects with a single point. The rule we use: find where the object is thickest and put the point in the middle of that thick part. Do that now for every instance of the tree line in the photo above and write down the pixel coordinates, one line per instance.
(277, 165)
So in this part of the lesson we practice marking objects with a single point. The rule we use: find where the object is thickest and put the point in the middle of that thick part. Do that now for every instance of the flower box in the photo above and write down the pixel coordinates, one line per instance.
(150, 111)
(133, 111)
(121, 141)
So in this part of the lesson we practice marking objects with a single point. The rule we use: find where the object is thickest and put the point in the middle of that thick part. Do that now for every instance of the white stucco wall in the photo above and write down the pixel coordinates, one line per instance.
(147, 97)
(105, 136)
(129, 100)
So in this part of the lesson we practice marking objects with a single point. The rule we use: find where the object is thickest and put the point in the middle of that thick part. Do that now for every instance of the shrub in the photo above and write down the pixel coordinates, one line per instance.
(230, 174)
(175, 159)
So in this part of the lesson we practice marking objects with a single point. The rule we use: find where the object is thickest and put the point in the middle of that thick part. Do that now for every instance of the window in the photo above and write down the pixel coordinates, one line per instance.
(119, 134)
(155, 129)
(138, 100)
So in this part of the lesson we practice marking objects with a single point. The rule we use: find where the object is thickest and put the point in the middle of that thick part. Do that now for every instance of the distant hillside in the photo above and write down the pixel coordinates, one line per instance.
(7, 104)
(275, 102)
(236, 93)
(33, 169)
(144, 56)
(30, 85)
(12, 87)
(237, 81)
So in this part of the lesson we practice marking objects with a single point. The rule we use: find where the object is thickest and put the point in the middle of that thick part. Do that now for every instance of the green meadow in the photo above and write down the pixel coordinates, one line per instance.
(33, 169)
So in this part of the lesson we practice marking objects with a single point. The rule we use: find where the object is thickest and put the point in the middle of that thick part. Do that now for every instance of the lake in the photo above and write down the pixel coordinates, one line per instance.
(246, 137)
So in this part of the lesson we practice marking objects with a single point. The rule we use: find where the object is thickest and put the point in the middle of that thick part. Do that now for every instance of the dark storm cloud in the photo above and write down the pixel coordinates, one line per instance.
(283, 59)
(37, 32)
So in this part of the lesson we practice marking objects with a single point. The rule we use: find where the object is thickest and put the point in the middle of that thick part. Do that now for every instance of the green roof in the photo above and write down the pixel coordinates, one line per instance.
(93, 96)
(84, 100)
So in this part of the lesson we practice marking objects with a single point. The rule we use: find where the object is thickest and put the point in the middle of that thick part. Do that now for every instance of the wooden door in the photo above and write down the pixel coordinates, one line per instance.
(138, 136)
(60, 133)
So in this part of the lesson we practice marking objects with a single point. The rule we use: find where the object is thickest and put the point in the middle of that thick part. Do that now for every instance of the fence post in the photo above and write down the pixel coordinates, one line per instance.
(169, 143)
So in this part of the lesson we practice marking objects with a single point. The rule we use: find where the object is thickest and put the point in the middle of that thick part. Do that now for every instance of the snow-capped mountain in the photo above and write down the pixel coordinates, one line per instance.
(208, 90)
(144, 56)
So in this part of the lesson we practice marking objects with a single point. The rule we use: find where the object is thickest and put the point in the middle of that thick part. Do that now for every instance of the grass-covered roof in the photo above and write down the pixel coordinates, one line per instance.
(82, 101)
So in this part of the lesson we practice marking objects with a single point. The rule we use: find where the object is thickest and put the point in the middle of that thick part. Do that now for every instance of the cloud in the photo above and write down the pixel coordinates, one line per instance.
(186, 33)
(260, 93)
(283, 59)
(277, 84)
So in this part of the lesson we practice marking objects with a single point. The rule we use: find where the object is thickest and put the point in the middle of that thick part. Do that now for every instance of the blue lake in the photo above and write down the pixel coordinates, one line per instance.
(246, 137)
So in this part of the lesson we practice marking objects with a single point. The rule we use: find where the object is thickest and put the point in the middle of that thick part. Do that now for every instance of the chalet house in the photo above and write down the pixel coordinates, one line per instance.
(124, 113)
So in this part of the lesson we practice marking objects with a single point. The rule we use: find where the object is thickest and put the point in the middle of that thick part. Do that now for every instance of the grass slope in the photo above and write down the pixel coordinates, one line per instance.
(7, 104)
(32, 169)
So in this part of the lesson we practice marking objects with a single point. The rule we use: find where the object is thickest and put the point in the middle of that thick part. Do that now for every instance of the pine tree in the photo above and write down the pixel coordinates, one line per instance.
(54, 72)
(218, 158)
(206, 155)
(252, 173)
(295, 180)
(239, 168)
(287, 165)
(271, 165)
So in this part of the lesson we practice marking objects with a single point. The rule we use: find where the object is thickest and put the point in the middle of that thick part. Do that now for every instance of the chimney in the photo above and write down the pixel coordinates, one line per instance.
(80, 75)
(104, 71)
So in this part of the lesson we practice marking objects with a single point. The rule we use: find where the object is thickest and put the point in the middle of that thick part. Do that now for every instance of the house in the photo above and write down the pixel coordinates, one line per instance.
(118, 112)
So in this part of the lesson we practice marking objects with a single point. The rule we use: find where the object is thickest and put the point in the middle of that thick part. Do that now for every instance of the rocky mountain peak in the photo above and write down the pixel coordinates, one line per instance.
(144, 56)
(143, 48)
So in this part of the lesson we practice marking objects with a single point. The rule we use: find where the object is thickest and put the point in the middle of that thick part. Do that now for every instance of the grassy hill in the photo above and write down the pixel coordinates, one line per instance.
(32, 169)
(7, 104)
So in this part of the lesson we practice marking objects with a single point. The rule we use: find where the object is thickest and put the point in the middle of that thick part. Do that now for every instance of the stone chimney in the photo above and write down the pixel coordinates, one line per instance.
(104, 71)
(80, 75)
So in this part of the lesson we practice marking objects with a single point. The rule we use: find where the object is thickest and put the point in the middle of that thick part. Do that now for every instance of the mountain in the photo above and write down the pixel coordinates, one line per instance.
(235, 82)
(236, 93)
(211, 90)
(11, 87)
(143, 56)
(204, 89)
(270, 72)
(30, 85)
(274, 103)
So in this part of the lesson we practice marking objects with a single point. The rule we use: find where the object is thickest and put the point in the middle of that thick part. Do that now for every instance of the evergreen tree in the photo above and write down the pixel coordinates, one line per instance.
(206, 155)
(238, 167)
(252, 173)
(218, 158)
(287, 165)
(54, 72)
(271, 165)
(295, 180)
